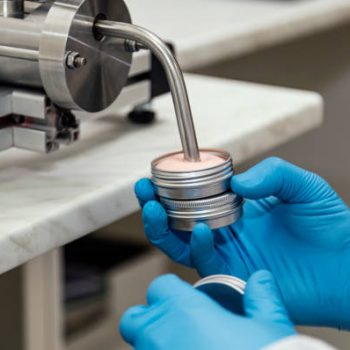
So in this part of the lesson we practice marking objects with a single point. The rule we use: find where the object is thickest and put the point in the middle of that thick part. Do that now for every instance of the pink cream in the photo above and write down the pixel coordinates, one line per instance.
(177, 162)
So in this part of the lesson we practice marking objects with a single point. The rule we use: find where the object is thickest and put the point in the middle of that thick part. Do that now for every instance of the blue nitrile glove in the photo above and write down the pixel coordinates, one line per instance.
(293, 224)
(180, 317)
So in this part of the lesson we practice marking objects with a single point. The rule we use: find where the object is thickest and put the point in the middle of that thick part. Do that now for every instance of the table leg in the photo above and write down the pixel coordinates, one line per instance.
(42, 293)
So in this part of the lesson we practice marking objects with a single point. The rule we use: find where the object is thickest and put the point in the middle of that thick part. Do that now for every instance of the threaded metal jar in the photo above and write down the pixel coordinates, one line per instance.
(217, 211)
(204, 195)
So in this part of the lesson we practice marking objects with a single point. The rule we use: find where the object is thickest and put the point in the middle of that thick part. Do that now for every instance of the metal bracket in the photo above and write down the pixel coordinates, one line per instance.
(30, 121)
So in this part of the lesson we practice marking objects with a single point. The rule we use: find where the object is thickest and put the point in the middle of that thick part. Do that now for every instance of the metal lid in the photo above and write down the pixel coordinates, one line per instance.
(227, 290)
(218, 211)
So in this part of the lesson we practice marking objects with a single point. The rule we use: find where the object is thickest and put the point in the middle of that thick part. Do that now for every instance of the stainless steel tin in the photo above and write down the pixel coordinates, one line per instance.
(193, 184)
(226, 290)
(216, 212)
(200, 196)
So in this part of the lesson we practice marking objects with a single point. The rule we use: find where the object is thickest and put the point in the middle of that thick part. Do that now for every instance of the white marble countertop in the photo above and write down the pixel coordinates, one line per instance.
(205, 31)
(47, 201)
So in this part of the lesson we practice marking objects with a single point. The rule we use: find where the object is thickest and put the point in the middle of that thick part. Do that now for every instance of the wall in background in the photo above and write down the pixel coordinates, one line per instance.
(320, 63)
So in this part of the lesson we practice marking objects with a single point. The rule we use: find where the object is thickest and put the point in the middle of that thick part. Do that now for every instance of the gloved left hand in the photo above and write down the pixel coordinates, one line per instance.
(180, 317)
(294, 225)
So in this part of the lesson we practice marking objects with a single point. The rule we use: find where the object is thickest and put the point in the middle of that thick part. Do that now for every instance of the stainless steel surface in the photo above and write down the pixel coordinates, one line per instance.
(21, 37)
(5, 102)
(29, 103)
(69, 27)
(231, 281)
(141, 63)
(32, 122)
(74, 60)
(6, 139)
(226, 290)
(174, 75)
(52, 61)
(133, 46)
(12, 8)
(33, 52)
(19, 53)
(216, 212)
(23, 102)
(196, 184)
(34, 140)
(198, 205)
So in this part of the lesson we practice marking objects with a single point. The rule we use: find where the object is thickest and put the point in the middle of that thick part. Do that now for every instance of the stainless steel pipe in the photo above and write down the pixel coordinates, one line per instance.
(19, 49)
(19, 53)
(12, 8)
(174, 75)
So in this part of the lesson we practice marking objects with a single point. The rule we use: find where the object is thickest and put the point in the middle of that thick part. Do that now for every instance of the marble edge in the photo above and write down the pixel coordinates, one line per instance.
(275, 135)
(104, 206)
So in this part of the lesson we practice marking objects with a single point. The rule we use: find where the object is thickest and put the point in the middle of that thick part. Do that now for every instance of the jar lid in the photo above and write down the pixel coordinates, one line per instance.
(226, 290)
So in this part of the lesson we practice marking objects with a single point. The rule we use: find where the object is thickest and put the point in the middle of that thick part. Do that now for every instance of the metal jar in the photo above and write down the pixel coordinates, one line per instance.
(191, 197)
(226, 290)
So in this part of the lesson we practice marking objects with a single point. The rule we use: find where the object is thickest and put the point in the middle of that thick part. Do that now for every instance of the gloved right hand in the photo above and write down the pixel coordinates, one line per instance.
(294, 225)
(180, 317)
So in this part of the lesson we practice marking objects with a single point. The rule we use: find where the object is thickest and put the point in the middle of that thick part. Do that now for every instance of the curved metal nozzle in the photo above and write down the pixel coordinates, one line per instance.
(174, 75)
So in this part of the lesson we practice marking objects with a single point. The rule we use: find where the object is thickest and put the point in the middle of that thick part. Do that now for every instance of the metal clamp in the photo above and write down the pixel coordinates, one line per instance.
(30, 121)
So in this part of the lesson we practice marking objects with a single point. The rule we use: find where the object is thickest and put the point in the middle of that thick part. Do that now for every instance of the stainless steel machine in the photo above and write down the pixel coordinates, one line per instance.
(57, 57)
(54, 61)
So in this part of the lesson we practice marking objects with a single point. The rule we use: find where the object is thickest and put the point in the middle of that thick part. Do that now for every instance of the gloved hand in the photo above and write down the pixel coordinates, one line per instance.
(294, 225)
(180, 317)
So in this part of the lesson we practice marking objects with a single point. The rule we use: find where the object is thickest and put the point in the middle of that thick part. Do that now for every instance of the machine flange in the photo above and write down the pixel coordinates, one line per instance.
(68, 28)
